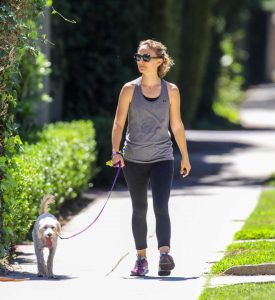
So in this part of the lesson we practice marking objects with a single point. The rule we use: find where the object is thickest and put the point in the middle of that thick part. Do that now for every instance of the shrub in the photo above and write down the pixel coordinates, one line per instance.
(18, 36)
(61, 163)
(103, 127)
(271, 180)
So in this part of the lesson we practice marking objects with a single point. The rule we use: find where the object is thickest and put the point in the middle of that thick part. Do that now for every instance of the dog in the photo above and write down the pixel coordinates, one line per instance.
(45, 235)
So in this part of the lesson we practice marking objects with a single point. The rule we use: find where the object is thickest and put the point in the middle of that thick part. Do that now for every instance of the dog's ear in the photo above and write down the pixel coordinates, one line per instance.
(58, 228)
(40, 231)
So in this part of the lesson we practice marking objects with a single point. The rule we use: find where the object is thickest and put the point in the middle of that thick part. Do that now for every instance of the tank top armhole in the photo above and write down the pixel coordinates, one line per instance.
(135, 87)
(165, 85)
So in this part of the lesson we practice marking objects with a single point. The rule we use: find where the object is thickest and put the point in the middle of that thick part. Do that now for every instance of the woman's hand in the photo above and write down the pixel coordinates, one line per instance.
(185, 167)
(116, 159)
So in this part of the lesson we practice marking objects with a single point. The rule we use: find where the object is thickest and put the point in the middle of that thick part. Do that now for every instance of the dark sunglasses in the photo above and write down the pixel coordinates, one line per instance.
(145, 57)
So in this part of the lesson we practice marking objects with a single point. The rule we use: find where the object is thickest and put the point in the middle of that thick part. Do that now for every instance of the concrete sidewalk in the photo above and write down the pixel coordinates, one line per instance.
(206, 209)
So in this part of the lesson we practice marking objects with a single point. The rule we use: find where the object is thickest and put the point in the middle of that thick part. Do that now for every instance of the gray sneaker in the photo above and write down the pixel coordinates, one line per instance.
(166, 264)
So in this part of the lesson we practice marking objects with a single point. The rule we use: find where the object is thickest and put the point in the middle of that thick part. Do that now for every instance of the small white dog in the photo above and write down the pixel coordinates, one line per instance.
(45, 234)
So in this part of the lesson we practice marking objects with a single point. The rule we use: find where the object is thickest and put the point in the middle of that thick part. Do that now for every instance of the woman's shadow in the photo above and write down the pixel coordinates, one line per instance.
(159, 278)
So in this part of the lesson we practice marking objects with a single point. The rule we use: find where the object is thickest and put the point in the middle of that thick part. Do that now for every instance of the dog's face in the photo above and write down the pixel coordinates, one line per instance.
(48, 230)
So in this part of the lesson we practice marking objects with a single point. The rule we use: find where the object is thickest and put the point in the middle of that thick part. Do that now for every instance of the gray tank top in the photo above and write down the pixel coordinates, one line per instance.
(148, 138)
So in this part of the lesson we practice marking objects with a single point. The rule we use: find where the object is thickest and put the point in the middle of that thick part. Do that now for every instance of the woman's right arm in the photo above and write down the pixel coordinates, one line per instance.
(124, 101)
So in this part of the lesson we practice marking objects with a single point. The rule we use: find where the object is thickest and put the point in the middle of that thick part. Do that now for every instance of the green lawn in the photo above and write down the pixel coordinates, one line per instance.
(271, 180)
(245, 253)
(261, 223)
(247, 291)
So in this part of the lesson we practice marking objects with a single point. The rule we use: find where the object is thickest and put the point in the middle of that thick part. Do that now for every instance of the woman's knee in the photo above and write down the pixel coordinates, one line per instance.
(161, 211)
(140, 212)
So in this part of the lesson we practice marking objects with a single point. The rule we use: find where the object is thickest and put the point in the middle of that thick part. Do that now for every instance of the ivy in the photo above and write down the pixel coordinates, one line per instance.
(18, 36)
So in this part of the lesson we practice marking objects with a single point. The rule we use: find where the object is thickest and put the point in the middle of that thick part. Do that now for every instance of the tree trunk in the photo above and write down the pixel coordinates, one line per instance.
(205, 106)
(194, 46)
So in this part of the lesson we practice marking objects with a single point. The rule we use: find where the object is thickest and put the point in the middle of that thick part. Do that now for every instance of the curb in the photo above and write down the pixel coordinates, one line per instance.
(251, 270)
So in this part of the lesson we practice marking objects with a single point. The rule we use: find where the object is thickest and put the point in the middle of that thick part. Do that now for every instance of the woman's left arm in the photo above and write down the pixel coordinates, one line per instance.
(177, 128)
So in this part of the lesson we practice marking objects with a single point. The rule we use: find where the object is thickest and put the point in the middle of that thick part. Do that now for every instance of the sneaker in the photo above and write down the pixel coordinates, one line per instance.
(166, 264)
(141, 267)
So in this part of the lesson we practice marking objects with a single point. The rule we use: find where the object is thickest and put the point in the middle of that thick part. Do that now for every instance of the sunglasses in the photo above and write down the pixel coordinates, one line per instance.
(145, 57)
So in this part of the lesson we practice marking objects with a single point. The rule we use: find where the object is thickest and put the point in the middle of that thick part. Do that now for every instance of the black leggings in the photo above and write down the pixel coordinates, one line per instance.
(138, 176)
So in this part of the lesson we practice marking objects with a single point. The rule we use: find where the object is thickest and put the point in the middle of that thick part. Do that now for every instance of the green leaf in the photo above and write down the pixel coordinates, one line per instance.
(18, 140)
(49, 3)
(46, 98)
(33, 35)
(2, 162)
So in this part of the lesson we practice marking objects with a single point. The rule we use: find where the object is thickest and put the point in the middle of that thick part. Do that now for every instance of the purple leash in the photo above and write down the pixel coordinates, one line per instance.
(108, 197)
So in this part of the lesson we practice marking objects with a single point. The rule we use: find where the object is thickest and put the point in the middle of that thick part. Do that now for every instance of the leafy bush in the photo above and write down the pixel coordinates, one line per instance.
(103, 127)
(18, 36)
(61, 163)
(271, 180)
(231, 80)
(104, 146)
(30, 90)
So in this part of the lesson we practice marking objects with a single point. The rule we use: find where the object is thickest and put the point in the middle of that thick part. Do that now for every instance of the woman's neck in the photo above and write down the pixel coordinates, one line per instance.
(150, 80)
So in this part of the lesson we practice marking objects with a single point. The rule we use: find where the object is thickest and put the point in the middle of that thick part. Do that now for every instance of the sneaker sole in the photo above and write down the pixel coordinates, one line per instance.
(167, 266)
(140, 275)
(164, 273)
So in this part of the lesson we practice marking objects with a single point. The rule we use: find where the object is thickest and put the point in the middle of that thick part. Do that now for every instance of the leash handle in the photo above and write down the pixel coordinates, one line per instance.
(118, 167)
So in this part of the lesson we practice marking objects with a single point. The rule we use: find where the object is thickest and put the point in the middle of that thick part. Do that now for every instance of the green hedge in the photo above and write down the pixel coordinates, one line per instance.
(62, 163)
(103, 126)
(271, 180)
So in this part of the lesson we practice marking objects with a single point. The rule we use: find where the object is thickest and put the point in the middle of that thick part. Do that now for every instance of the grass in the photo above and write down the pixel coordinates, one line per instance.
(245, 253)
(271, 180)
(261, 223)
(247, 291)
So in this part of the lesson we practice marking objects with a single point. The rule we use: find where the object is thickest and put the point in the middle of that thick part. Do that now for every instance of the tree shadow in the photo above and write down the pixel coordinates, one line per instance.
(30, 276)
(18, 272)
(203, 169)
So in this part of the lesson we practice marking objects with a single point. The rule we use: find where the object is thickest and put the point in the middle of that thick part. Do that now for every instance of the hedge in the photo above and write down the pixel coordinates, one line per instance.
(61, 163)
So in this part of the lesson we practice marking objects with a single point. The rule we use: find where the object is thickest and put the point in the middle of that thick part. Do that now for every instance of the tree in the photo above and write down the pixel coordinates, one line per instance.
(230, 57)
(194, 44)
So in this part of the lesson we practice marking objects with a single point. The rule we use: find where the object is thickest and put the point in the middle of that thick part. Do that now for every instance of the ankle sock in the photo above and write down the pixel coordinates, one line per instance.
(141, 257)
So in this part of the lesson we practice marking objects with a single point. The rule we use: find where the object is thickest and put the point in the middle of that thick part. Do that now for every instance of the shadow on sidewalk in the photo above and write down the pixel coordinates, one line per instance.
(203, 168)
(29, 276)
(21, 269)
(170, 278)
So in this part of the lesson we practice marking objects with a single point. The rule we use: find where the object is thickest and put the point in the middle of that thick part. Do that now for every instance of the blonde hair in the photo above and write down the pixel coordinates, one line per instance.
(161, 51)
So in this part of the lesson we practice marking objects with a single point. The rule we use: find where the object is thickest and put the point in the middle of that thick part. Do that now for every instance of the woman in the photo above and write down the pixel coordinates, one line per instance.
(151, 104)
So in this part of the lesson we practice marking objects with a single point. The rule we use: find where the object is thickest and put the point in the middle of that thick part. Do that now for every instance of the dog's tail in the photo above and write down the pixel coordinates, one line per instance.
(48, 199)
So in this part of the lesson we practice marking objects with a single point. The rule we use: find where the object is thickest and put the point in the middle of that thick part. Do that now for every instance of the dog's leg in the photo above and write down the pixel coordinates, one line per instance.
(50, 262)
(42, 270)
